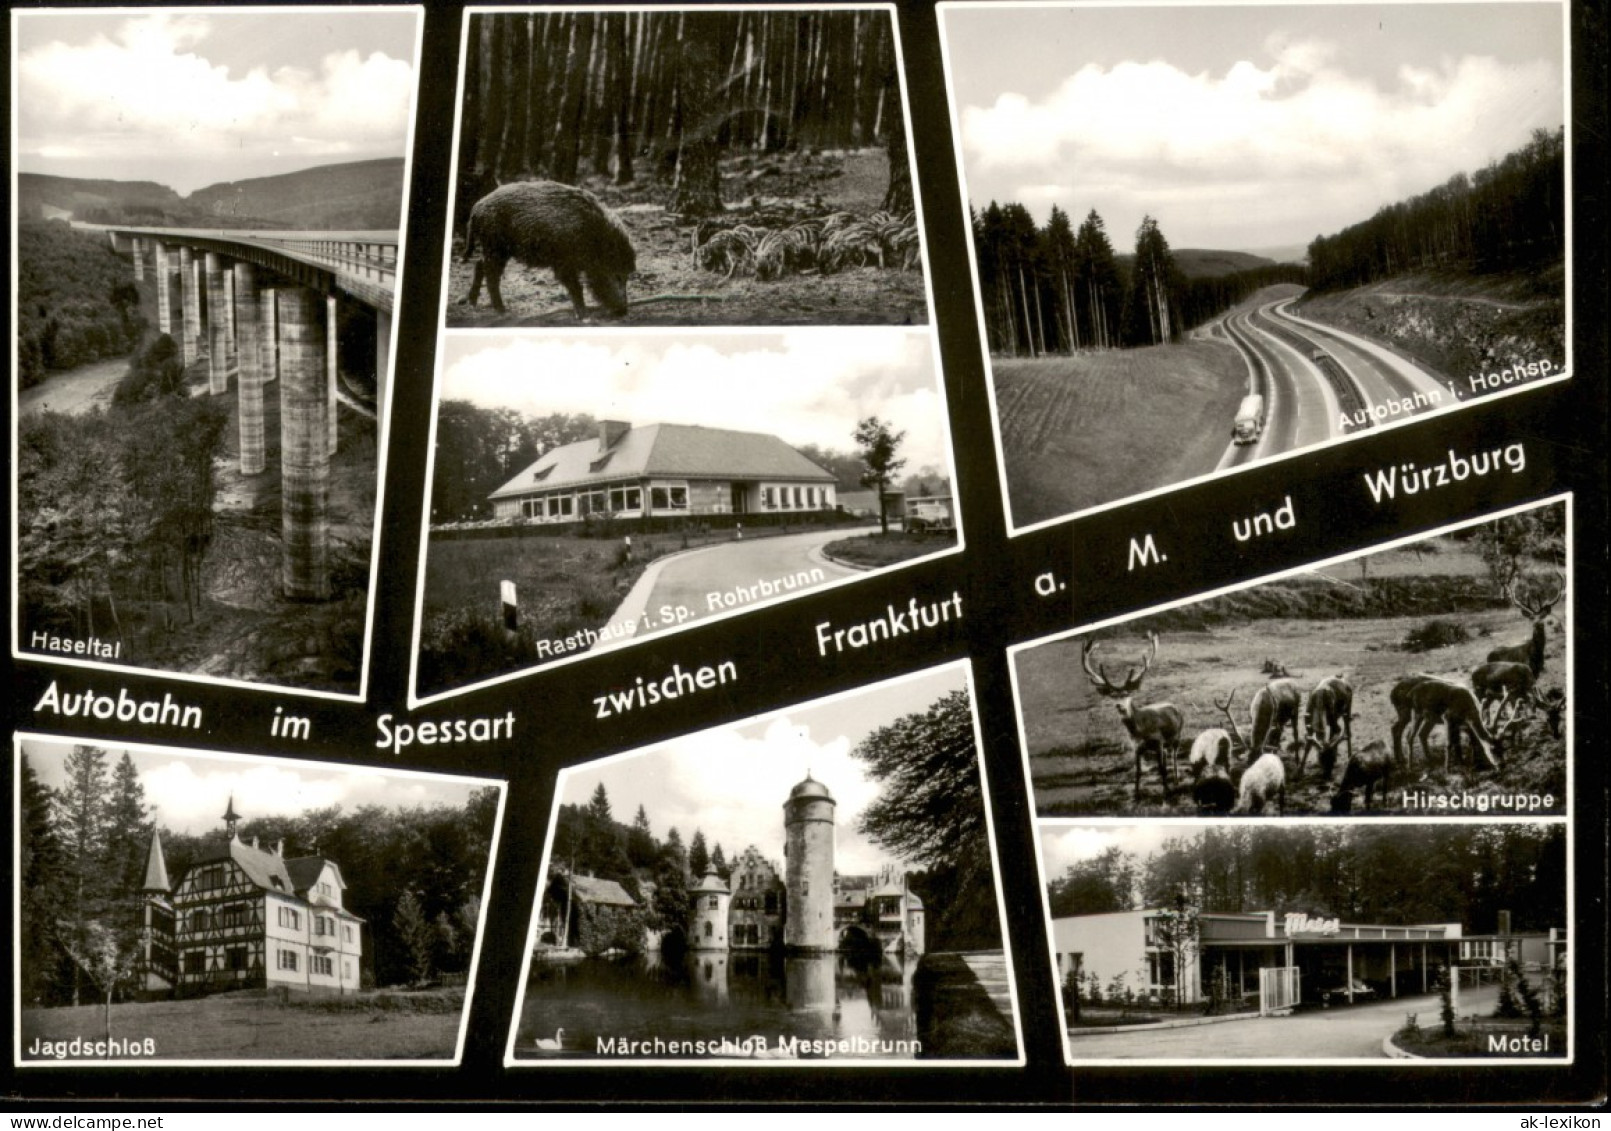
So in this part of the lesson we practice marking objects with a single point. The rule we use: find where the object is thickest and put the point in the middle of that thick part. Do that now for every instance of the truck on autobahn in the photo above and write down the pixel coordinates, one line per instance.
(1249, 420)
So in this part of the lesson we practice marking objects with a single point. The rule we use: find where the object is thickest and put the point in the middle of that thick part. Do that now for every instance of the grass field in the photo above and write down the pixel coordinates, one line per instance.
(565, 583)
(875, 551)
(1336, 622)
(247, 1027)
(1080, 431)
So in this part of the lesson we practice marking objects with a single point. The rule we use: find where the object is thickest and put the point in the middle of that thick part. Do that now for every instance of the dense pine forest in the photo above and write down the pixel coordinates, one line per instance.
(553, 94)
(1463, 874)
(115, 508)
(1506, 216)
(75, 303)
(1055, 289)
(771, 143)
(413, 874)
(930, 813)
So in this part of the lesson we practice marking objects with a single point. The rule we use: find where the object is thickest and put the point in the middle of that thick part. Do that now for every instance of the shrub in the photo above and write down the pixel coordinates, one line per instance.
(1446, 1000)
(1530, 999)
(1435, 634)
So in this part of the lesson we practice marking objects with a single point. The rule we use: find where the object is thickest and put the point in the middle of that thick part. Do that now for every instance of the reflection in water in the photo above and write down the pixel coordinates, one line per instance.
(723, 1005)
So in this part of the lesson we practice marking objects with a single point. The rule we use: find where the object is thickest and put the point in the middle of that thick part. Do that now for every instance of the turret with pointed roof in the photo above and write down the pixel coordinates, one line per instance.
(156, 867)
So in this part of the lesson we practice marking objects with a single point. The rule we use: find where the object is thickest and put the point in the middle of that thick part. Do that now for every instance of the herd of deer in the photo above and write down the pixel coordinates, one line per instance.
(1506, 682)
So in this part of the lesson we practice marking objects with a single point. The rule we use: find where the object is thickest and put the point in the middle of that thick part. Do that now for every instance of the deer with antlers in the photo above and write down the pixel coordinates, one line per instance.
(1154, 727)
(1531, 650)
(1509, 682)
(1330, 718)
(1273, 708)
(1429, 701)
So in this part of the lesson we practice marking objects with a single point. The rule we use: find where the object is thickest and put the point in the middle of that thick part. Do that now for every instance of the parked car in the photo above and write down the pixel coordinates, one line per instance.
(1337, 991)
(923, 517)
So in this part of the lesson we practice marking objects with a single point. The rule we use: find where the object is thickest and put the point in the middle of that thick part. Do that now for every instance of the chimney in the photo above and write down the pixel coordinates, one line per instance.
(1504, 923)
(279, 847)
(254, 842)
(610, 433)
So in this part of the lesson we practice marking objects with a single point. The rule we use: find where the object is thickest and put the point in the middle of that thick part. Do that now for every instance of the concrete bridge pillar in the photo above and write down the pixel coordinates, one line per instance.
(304, 446)
(268, 336)
(190, 301)
(138, 246)
(332, 337)
(159, 255)
(217, 323)
(232, 351)
(383, 354)
(250, 404)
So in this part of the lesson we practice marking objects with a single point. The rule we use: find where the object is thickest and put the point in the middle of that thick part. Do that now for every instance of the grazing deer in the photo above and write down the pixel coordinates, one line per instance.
(1402, 699)
(1210, 750)
(1531, 650)
(1275, 706)
(1330, 718)
(1499, 683)
(1433, 701)
(1154, 727)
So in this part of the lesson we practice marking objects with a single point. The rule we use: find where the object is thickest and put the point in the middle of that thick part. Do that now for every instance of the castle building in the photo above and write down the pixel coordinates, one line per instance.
(709, 927)
(246, 917)
(808, 854)
(755, 914)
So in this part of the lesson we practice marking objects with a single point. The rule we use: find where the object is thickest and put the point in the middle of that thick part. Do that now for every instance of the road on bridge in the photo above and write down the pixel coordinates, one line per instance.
(1312, 376)
(737, 570)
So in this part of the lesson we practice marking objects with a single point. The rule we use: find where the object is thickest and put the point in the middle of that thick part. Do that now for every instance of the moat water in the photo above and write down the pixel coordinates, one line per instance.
(719, 1005)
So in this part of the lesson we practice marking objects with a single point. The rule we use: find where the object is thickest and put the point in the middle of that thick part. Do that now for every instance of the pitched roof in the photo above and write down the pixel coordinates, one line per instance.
(306, 870)
(263, 868)
(681, 450)
(591, 889)
(156, 867)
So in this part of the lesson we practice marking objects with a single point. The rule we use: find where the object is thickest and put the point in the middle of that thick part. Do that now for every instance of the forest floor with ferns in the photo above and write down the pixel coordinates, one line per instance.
(1079, 431)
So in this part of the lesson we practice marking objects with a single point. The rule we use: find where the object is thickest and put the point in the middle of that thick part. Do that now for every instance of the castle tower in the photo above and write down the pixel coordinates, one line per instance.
(156, 928)
(710, 896)
(808, 867)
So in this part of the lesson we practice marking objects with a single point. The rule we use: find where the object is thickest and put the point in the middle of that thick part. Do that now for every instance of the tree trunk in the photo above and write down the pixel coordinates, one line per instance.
(497, 94)
(699, 190)
(623, 96)
(898, 197)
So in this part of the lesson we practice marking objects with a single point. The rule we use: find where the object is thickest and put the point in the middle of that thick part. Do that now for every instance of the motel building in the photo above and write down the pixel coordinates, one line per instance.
(1285, 959)
(665, 471)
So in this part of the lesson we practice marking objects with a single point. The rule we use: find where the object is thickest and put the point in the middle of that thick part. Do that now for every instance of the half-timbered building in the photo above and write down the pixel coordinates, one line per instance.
(665, 470)
(248, 917)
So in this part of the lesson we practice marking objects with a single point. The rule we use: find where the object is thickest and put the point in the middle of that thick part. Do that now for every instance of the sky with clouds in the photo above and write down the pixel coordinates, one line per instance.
(188, 792)
(194, 97)
(805, 386)
(1244, 127)
(731, 783)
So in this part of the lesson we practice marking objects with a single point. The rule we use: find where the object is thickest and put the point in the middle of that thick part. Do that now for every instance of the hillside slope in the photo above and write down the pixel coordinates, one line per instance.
(358, 195)
(1457, 323)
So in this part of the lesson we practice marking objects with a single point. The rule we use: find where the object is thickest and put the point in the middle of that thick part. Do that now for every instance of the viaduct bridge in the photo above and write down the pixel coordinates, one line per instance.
(261, 306)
